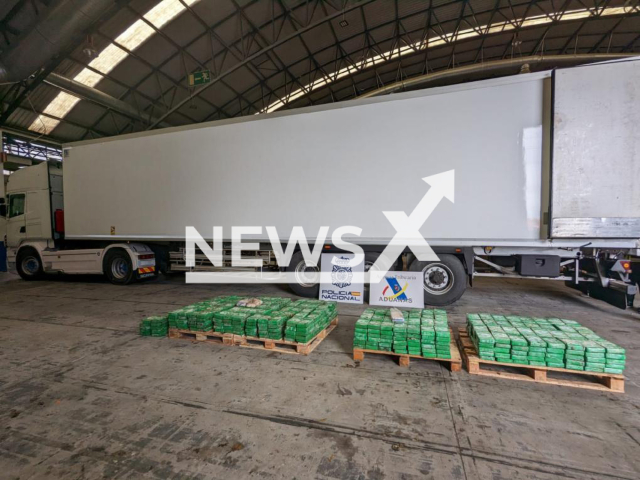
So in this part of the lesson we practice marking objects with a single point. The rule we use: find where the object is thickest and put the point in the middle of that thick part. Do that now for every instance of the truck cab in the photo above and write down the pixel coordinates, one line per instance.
(35, 242)
(30, 194)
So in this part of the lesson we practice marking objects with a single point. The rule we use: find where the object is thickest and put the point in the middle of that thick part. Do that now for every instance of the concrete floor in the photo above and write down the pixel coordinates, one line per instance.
(83, 396)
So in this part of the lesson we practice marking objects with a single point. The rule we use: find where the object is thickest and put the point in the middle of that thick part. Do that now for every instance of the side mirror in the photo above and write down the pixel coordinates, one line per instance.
(3, 210)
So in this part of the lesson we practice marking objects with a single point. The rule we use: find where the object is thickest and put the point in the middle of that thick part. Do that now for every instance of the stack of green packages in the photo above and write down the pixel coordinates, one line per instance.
(443, 334)
(551, 342)
(219, 320)
(200, 320)
(251, 324)
(275, 318)
(311, 319)
(615, 358)
(275, 326)
(428, 334)
(155, 326)
(179, 318)
(414, 332)
(248, 320)
(374, 329)
(262, 323)
(232, 320)
(145, 327)
(423, 332)
(274, 304)
(362, 327)
(238, 321)
(200, 316)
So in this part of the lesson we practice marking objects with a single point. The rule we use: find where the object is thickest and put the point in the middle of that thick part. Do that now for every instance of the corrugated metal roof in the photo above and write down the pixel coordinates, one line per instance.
(261, 52)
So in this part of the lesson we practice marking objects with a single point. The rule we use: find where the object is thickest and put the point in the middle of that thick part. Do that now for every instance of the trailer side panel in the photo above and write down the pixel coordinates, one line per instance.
(330, 166)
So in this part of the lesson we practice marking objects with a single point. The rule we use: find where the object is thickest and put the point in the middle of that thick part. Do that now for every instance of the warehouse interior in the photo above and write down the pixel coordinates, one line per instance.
(86, 390)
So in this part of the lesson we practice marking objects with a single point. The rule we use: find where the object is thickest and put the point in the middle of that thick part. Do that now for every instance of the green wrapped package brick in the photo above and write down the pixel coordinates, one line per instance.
(551, 342)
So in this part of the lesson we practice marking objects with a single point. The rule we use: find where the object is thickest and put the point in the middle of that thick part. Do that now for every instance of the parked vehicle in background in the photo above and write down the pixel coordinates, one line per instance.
(546, 167)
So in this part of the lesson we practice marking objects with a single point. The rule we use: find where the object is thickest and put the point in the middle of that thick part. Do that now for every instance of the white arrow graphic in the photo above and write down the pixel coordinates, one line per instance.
(408, 227)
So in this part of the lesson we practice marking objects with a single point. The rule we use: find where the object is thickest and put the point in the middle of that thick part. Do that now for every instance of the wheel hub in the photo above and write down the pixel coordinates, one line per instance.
(119, 268)
(30, 265)
(306, 276)
(438, 279)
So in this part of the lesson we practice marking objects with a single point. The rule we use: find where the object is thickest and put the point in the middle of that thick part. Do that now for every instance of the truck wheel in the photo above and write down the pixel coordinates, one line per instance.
(307, 278)
(445, 280)
(28, 264)
(118, 267)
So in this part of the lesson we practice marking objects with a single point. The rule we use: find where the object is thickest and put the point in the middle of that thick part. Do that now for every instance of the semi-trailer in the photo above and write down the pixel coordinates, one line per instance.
(546, 186)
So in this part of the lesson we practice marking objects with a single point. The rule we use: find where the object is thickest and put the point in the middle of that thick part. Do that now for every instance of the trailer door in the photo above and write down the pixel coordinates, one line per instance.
(595, 189)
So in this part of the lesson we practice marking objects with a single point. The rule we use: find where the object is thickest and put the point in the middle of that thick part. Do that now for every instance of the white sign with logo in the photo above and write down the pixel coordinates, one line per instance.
(398, 289)
(342, 288)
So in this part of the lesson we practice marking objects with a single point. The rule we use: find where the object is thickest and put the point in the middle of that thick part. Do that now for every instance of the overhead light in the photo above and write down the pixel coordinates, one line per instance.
(344, 23)
(89, 48)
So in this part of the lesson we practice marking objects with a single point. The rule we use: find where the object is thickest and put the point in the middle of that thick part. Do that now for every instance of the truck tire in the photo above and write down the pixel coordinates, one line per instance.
(29, 264)
(305, 285)
(118, 267)
(445, 280)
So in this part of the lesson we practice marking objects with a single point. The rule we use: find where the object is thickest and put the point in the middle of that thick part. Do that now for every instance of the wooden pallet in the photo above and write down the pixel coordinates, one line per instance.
(282, 346)
(209, 337)
(607, 382)
(454, 363)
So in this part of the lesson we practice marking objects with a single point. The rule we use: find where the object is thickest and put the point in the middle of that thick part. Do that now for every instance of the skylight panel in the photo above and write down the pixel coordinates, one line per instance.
(134, 36)
(140, 31)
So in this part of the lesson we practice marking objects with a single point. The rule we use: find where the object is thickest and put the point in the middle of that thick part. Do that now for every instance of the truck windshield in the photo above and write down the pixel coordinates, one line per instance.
(16, 205)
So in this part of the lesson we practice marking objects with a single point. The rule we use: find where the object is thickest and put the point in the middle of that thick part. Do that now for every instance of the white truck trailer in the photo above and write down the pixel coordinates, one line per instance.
(546, 185)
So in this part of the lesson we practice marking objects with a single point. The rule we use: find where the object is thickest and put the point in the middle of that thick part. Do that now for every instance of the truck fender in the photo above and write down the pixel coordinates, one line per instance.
(38, 246)
(132, 249)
